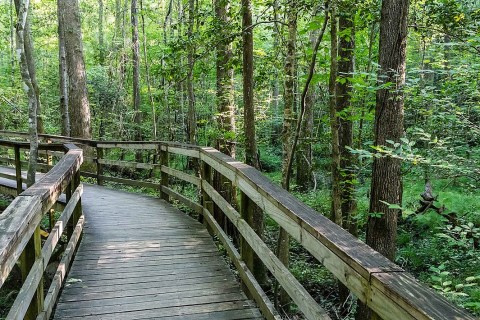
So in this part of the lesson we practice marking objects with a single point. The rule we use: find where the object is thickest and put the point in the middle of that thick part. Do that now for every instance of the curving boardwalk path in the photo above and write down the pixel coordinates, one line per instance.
(140, 258)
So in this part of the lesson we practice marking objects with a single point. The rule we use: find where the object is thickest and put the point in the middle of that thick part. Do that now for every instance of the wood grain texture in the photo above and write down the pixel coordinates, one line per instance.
(142, 258)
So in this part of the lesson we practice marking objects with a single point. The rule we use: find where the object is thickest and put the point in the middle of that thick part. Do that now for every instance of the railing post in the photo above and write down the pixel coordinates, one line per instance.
(18, 169)
(32, 252)
(248, 212)
(49, 156)
(68, 196)
(163, 176)
(99, 166)
(78, 208)
(207, 203)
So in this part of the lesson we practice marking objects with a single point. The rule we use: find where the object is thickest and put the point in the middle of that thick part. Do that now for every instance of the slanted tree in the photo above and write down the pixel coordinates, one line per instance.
(27, 71)
(79, 106)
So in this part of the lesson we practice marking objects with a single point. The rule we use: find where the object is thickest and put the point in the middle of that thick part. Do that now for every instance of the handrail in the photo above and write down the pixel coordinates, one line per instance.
(20, 239)
(382, 285)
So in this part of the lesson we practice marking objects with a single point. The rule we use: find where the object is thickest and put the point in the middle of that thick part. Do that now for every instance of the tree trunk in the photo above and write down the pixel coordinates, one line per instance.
(253, 214)
(192, 117)
(63, 76)
(386, 173)
(136, 75)
(345, 129)
(147, 74)
(283, 245)
(225, 74)
(101, 45)
(79, 107)
(344, 88)
(336, 214)
(304, 153)
(25, 53)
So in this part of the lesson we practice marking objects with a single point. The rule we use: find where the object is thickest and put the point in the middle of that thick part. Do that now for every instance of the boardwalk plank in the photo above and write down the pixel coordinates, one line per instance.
(166, 266)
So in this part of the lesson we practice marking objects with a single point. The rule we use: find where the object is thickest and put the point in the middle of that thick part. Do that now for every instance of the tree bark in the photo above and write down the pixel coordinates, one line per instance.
(25, 53)
(101, 42)
(253, 214)
(147, 75)
(346, 47)
(191, 117)
(386, 173)
(79, 107)
(63, 76)
(336, 214)
(225, 78)
(283, 244)
(136, 74)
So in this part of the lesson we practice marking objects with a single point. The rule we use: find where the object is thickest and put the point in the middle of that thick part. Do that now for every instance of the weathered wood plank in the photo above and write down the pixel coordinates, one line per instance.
(17, 224)
(266, 306)
(62, 270)
(182, 176)
(177, 196)
(299, 295)
(128, 164)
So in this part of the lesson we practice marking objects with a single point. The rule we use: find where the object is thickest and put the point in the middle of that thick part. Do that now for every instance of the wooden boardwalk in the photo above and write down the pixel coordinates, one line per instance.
(140, 258)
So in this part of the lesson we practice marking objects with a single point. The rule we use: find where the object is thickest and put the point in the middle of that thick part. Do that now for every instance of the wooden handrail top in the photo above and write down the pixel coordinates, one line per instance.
(20, 218)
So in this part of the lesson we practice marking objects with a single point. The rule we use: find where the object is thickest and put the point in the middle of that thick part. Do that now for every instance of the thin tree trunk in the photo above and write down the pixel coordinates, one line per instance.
(225, 77)
(283, 244)
(192, 117)
(386, 185)
(304, 153)
(12, 43)
(22, 44)
(147, 74)
(101, 45)
(136, 74)
(253, 214)
(345, 130)
(79, 107)
(343, 99)
(63, 76)
(336, 214)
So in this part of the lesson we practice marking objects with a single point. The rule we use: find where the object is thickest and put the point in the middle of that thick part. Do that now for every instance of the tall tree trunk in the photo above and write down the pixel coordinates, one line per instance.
(304, 153)
(101, 45)
(386, 173)
(225, 73)
(192, 117)
(345, 129)
(24, 46)
(252, 214)
(283, 245)
(136, 74)
(79, 107)
(343, 99)
(147, 74)
(62, 72)
(336, 214)
(30, 59)
(12, 43)
(226, 106)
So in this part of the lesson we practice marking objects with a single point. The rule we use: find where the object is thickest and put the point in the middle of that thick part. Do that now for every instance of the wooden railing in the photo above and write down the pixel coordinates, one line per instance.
(20, 239)
(383, 286)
